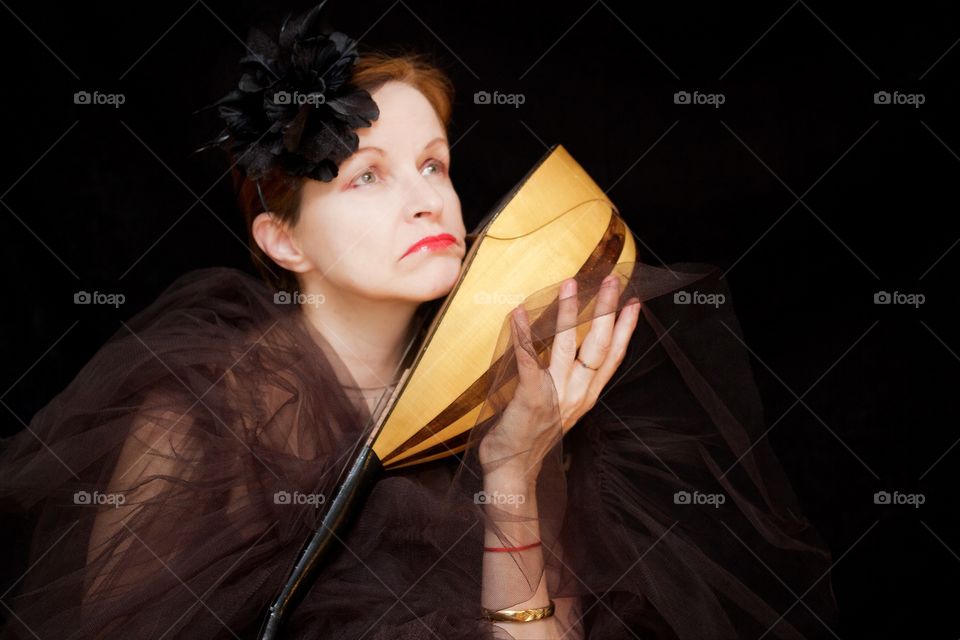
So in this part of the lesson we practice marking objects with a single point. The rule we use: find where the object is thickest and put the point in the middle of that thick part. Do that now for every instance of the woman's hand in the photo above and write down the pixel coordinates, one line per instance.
(527, 428)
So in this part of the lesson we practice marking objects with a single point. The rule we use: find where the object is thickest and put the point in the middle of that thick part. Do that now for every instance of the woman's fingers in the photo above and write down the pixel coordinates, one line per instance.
(596, 345)
(575, 387)
(622, 332)
(564, 348)
(528, 367)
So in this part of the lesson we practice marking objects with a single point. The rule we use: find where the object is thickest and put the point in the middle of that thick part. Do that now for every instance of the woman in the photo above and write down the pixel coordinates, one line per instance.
(176, 477)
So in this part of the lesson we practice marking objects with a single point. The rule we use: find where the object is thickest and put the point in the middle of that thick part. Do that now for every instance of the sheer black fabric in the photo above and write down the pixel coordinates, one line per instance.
(174, 480)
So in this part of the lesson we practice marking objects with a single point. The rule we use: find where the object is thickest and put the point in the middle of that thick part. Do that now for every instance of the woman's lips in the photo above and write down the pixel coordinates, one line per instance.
(431, 243)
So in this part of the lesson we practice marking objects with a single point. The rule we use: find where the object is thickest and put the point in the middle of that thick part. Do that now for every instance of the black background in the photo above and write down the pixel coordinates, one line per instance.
(812, 196)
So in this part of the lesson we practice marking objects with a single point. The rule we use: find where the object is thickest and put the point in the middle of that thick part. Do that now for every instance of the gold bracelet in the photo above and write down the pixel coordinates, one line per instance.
(519, 615)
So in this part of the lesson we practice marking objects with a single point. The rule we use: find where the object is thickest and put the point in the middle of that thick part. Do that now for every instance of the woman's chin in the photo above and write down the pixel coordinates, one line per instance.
(438, 278)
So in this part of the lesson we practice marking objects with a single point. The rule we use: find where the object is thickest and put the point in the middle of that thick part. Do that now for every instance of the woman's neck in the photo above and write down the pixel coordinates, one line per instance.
(369, 336)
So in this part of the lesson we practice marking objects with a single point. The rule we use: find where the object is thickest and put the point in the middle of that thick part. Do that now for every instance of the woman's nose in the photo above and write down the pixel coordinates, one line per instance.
(424, 199)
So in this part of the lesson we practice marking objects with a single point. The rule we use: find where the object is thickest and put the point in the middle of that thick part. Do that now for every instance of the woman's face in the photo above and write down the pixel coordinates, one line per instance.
(392, 192)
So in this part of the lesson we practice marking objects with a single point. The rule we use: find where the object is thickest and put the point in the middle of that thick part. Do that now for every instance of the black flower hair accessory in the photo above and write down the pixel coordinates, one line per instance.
(294, 106)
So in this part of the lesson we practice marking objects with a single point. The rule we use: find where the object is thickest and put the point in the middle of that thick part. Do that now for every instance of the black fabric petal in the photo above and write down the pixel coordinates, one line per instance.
(293, 106)
(358, 109)
(293, 132)
(262, 44)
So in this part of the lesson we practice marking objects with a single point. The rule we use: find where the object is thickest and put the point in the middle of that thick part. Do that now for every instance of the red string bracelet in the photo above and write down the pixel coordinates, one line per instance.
(523, 548)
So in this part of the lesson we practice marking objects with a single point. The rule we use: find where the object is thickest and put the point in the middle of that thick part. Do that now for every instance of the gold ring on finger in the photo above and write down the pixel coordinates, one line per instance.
(582, 363)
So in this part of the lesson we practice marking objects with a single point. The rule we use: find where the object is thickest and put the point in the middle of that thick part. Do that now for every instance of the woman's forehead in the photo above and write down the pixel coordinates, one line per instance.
(406, 117)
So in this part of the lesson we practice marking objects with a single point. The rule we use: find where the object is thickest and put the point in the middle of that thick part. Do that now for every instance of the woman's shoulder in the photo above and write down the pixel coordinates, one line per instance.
(210, 311)
(206, 343)
(233, 295)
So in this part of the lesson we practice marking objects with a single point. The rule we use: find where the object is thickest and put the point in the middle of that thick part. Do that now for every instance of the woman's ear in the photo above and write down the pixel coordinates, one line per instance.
(276, 239)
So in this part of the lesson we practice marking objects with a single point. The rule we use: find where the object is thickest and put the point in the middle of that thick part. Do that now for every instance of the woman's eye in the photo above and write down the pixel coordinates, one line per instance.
(367, 177)
(438, 166)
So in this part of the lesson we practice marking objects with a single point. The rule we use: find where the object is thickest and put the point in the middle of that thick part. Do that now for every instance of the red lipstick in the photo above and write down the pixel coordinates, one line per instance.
(431, 243)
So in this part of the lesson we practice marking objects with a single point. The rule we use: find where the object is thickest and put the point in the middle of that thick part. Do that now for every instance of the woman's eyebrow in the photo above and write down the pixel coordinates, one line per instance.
(381, 152)
(435, 141)
(357, 155)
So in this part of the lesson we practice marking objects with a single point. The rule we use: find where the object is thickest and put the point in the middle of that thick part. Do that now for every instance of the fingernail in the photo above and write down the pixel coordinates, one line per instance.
(609, 280)
(569, 288)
